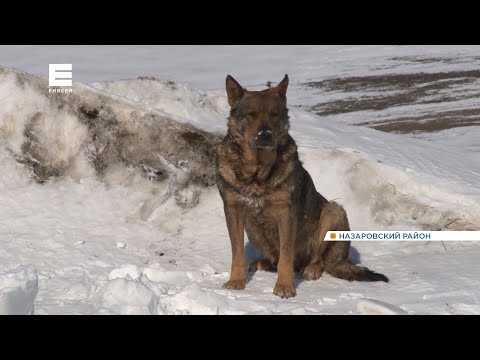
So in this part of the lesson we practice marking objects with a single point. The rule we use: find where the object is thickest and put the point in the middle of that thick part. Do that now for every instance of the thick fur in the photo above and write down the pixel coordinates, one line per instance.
(267, 192)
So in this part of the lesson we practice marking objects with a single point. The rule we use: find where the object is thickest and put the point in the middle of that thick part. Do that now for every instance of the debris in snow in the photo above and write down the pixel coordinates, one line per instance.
(121, 244)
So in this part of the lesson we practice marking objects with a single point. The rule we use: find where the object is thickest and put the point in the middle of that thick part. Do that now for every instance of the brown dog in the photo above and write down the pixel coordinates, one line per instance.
(267, 192)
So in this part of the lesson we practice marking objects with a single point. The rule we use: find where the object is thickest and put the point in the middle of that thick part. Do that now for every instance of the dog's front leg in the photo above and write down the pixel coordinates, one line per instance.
(286, 231)
(234, 215)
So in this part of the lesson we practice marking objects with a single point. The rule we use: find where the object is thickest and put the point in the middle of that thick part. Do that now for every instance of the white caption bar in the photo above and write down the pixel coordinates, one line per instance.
(403, 235)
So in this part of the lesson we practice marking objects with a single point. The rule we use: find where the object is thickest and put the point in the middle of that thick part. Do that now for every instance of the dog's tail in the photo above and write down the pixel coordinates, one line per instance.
(344, 269)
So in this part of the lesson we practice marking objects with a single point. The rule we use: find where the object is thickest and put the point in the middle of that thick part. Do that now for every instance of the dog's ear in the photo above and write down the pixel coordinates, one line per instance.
(281, 88)
(234, 90)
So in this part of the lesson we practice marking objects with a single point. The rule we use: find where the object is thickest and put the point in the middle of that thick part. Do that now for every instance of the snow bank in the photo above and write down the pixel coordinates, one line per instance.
(91, 133)
(203, 109)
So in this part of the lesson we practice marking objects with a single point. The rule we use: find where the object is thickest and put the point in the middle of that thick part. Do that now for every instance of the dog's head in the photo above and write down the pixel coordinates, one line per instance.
(259, 117)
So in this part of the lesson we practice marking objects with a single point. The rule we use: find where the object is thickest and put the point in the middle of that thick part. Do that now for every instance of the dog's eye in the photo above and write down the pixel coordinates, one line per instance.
(273, 114)
(252, 114)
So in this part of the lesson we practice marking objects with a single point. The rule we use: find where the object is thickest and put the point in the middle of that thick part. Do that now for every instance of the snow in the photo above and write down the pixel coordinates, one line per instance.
(206, 110)
(202, 66)
(121, 245)
(134, 272)
(376, 307)
(18, 289)
(126, 297)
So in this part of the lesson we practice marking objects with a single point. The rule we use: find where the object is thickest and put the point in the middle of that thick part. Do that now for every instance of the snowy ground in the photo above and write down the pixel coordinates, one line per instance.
(95, 250)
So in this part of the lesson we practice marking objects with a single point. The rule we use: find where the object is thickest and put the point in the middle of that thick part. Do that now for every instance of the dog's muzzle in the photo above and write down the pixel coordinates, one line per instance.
(264, 139)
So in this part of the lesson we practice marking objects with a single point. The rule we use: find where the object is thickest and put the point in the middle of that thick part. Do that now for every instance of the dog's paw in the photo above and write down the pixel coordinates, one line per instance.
(313, 271)
(261, 264)
(284, 291)
(234, 284)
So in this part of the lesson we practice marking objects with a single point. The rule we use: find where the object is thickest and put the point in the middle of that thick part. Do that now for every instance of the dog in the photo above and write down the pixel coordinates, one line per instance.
(267, 192)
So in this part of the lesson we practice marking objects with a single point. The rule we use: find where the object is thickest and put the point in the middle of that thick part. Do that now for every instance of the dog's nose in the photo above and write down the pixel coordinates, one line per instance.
(264, 133)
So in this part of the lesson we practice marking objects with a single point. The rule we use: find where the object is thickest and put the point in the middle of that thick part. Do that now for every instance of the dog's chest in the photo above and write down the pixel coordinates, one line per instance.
(254, 202)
